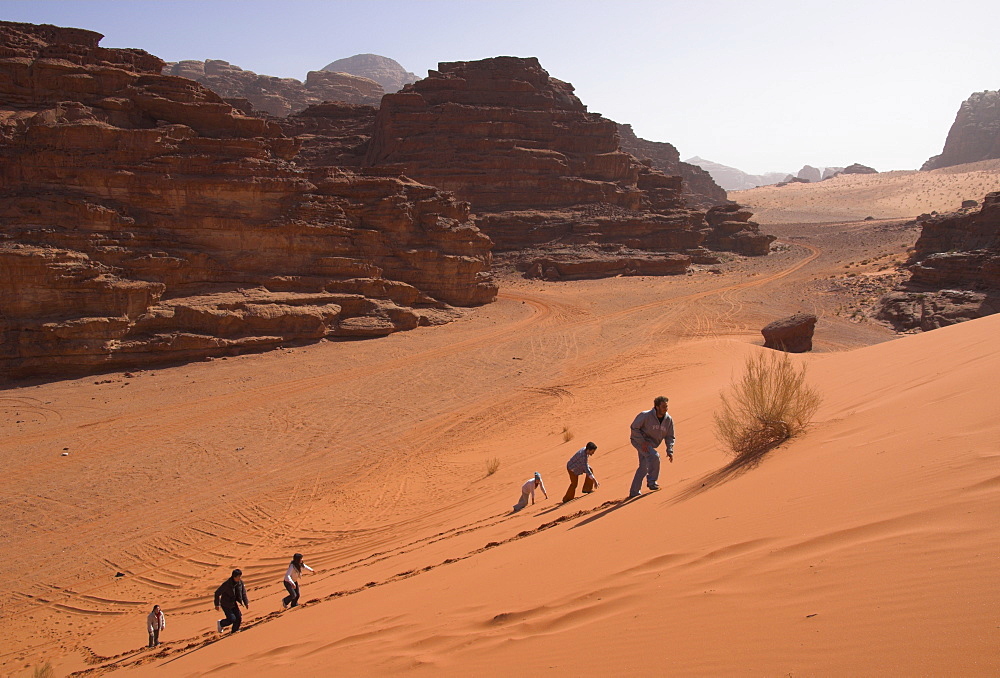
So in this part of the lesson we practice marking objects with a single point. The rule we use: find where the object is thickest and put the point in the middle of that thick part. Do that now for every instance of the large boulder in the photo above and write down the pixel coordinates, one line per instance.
(792, 334)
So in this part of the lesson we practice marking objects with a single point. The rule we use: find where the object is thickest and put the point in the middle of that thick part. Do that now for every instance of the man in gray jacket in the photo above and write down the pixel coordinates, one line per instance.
(648, 429)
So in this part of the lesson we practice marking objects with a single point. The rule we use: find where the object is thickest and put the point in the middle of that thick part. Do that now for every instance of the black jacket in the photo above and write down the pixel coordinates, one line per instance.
(230, 593)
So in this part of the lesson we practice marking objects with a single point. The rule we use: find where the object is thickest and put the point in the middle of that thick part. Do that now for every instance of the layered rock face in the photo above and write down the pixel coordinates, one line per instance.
(536, 166)
(144, 220)
(383, 70)
(277, 96)
(331, 134)
(975, 134)
(700, 189)
(955, 272)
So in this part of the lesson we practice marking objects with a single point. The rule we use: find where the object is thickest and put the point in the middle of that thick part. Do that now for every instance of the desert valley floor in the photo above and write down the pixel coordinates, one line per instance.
(867, 547)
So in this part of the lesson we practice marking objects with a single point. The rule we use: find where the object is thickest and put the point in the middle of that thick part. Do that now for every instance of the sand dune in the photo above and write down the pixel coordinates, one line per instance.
(889, 195)
(867, 547)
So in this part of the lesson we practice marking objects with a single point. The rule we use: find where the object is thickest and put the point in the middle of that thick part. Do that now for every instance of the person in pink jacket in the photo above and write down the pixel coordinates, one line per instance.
(155, 622)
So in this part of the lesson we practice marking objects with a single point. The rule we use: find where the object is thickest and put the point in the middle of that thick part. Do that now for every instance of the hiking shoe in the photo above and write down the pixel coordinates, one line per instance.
(634, 495)
(218, 626)
(653, 486)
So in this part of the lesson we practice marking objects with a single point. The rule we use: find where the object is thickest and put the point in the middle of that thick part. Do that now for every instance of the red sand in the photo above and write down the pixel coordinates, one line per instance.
(869, 546)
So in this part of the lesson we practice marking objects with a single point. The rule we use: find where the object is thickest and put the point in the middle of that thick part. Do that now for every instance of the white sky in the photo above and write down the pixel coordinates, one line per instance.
(758, 85)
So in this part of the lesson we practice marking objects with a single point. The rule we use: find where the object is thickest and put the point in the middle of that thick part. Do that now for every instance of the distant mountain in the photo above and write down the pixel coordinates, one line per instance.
(277, 96)
(975, 134)
(699, 188)
(733, 179)
(382, 70)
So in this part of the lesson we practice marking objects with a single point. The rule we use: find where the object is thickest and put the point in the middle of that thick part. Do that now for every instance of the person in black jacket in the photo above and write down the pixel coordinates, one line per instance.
(227, 598)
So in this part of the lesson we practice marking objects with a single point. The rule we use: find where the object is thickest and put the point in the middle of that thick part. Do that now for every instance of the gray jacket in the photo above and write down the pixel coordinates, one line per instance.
(648, 431)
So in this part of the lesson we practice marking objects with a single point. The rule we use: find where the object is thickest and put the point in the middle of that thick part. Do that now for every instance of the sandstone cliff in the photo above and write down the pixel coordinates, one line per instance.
(700, 190)
(955, 270)
(277, 96)
(144, 220)
(975, 134)
(538, 168)
(383, 70)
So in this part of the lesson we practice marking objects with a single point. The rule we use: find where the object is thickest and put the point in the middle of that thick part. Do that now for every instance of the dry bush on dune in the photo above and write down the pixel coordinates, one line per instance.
(767, 406)
(43, 671)
(492, 464)
(567, 434)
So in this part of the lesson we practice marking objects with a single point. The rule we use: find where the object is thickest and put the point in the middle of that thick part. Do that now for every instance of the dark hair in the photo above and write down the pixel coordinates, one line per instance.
(660, 400)
(237, 572)
(155, 608)
(591, 446)
(297, 561)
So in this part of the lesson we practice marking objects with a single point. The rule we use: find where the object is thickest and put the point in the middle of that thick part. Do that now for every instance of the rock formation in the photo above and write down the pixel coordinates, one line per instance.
(700, 190)
(831, 172)
(792, 334)
(975, 134)
(331, 133)
(382, 70)
(955, 270)
(809, 173)
(536, 166)
(144, 220)
(732, 179)
(858, 168)
(277, 96)
(730, 229)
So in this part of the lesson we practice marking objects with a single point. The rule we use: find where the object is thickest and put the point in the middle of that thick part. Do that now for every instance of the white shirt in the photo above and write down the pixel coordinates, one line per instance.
(293, 574)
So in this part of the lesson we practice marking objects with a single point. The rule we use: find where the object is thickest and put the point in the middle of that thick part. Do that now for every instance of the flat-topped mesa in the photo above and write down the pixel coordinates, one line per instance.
(277, 96)
(955, 270)
(537, 167)
(144, 220)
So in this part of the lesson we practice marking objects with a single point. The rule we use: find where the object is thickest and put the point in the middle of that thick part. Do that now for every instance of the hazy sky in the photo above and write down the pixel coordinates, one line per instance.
(758, 85)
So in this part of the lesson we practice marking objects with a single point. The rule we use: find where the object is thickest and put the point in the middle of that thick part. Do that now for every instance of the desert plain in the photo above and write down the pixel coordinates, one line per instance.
(868, 546)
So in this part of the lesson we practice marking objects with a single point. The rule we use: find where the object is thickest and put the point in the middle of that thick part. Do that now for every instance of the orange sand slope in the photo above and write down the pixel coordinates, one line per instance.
(889, 195)
(868, 547)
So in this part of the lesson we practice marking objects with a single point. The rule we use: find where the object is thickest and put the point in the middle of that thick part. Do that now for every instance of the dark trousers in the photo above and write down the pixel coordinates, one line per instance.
(588, 485)
(233, 617)
(154, 638)
(292, 599)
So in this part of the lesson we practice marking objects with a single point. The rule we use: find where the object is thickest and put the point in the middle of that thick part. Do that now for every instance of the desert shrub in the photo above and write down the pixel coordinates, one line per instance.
(767, 406)
(567, 434)
(492, 464)
(44, 671)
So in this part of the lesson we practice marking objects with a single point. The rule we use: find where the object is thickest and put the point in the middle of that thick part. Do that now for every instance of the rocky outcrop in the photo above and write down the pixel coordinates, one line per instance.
(590, 262)
(732, 179)
(536, 166)
(975, 134)
(792, 334)
(858, 168)
(144, 220)
(730, 230)
(277, 96)
(809, 173)
(955, 270)
(700, 189)
(831, 172)
(382, 70)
